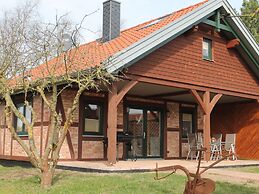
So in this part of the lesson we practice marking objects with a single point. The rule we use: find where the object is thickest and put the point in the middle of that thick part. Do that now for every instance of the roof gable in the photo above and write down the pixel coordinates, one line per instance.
(96, 52)
(148, 44)
(137, 42)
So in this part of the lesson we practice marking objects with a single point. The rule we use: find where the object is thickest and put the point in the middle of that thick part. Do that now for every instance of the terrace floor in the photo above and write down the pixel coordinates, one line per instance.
(149, 165)
(222, 171)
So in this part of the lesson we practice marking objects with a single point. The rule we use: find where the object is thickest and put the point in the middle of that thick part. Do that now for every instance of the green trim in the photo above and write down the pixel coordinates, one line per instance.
(228, 28)
(218, 21)
(22, 133)
(242, 45)
(217, 25)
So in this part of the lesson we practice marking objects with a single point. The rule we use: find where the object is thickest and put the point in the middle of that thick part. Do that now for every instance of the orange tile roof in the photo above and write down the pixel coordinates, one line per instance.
(94, 53)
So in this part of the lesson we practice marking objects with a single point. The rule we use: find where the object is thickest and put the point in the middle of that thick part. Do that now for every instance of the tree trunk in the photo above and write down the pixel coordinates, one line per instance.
(46, 178)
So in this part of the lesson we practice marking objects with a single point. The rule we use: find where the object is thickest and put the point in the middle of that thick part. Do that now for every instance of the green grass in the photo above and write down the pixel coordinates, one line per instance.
(25, 180)
(252, 169)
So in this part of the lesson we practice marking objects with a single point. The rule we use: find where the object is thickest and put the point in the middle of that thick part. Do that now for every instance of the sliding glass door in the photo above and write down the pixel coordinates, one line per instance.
(146, 127)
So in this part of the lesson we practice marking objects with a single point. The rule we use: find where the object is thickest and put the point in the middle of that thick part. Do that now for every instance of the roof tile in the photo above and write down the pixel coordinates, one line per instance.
(93, 53)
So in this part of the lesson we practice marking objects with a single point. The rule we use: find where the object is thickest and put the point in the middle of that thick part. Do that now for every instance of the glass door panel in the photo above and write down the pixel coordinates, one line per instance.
(136, 128)
(187, 124)
(146, 127)
(153, 133)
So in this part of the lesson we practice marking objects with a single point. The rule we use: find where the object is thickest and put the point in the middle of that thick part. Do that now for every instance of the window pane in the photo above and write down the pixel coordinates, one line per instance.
(19, 124)
(28, 114)
(187, 125)
(206, 49)
(135, 127)
(153, 133)
(92, 118)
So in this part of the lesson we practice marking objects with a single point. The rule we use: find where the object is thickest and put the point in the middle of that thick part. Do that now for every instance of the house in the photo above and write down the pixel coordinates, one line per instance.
(194, 70)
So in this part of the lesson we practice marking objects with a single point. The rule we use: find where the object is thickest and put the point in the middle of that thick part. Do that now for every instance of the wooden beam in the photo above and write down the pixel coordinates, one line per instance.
(114, 98)
(191, 86)
(219, 26)
(218, 20)
(199, 100)
(125, 90)
(112, 125)
(169, 94)
(60, 107)
(233, 43)
(207, 106)
(206, 130)
(214, 101)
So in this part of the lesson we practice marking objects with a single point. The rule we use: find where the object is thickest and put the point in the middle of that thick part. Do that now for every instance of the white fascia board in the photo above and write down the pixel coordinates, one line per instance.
(240, 25)
(160, 37)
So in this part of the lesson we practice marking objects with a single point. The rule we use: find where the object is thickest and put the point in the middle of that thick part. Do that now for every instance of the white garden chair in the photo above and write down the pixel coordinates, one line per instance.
(216, 147)
(229, 145)
(192, 146)
(199, 139)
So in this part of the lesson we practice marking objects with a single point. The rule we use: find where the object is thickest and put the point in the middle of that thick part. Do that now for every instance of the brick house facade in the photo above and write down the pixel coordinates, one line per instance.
(166, 86)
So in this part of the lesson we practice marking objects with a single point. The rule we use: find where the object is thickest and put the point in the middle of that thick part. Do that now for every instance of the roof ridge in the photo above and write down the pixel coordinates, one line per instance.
(180, 10)
(145, 23)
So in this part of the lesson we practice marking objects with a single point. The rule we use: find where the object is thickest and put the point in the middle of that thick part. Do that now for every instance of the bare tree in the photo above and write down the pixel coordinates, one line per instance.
(43, 59)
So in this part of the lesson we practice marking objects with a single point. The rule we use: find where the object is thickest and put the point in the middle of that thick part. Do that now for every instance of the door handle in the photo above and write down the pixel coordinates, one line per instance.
(144, 135)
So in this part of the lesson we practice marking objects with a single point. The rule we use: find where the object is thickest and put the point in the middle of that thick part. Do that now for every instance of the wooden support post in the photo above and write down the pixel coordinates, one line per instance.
(206, 127)
(114, 99)
(112, 124)
(207, 106)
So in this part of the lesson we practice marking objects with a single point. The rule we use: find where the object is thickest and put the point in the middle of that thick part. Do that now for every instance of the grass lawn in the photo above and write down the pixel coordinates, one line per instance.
(17, 179)
(252, 169)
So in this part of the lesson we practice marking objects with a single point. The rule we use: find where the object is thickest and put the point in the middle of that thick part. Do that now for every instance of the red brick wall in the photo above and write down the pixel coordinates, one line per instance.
(10, 147)
(181, 60)
(242, 119)
(92, 150)
(173, 137)
(173, 144)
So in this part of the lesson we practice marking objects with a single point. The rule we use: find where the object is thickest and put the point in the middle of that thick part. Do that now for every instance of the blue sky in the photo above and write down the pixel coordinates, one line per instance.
(133, 12)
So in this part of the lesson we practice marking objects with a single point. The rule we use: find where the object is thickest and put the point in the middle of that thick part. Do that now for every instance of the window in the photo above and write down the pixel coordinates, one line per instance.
(207, 49)
(93, 119)
(18, 124)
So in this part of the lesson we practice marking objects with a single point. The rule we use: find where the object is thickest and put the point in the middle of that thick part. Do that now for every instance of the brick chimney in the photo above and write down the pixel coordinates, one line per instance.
(111, 20)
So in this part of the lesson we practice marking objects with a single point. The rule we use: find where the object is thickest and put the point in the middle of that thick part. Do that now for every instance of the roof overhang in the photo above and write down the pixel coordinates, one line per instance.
(140, 49)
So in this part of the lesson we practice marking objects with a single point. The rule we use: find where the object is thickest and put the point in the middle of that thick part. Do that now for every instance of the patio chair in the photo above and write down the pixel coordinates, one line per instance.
(229, 145)
(216, 147)
(192, 146)
(199, 140)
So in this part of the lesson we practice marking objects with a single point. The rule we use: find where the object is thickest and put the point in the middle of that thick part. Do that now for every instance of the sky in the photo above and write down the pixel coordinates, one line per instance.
(133, 12)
